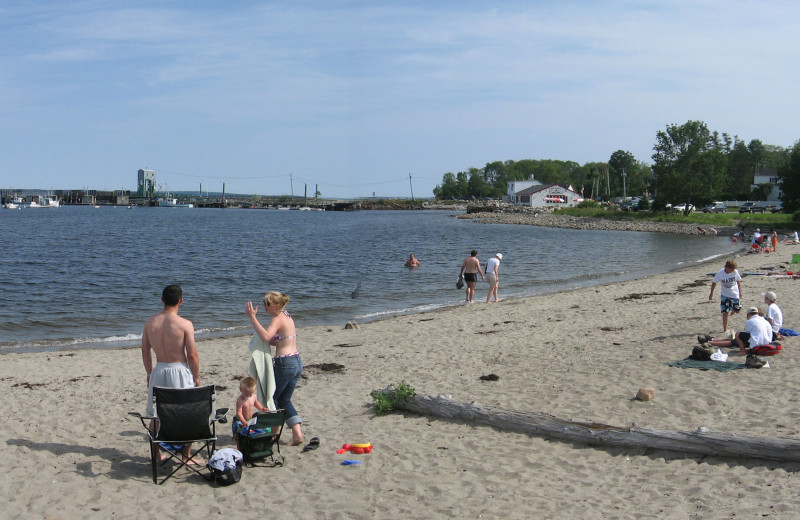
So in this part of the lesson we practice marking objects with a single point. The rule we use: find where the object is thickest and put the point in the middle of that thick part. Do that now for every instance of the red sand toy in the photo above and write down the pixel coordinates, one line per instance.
(357, 449)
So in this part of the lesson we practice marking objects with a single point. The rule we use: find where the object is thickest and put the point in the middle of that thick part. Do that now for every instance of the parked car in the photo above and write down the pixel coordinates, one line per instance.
(777, 209)
(682, 207)
(750, 207)
(717, 207)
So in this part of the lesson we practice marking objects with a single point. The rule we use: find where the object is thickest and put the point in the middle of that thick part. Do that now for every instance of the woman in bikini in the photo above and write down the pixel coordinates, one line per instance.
(286, 364)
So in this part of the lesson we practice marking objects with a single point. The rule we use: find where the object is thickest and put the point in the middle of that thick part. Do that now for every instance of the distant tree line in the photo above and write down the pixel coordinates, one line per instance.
(691, 164)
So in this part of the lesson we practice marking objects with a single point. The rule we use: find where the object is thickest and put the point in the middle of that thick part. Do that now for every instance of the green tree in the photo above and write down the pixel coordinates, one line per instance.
(761, 191)
(757, 154)
(622, 162)
(789, 175)
(689, 162)
(463, 184)
(477, 186)
(740, 170)
(774, 157)
(448, 189)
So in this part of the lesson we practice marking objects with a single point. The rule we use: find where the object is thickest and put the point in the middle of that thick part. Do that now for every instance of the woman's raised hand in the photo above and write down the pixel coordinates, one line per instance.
(251, 310)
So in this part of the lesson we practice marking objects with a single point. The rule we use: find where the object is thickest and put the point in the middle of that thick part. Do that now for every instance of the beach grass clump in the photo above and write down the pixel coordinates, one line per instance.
(385, 401)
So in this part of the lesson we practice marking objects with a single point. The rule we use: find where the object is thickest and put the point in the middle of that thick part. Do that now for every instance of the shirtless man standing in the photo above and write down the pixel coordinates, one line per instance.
(171, 337)
(470, 269)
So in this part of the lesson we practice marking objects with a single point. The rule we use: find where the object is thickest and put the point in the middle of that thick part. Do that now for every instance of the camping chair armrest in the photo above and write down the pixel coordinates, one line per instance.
(221, 415)
(140, 416)
(143, 418)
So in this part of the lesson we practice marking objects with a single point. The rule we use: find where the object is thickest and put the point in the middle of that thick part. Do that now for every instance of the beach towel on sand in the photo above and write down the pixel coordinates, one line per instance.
(721, 366)
(261, 370)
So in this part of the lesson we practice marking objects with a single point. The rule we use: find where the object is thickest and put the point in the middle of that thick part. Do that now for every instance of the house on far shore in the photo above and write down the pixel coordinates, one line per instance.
(537, 195)
(768, 177)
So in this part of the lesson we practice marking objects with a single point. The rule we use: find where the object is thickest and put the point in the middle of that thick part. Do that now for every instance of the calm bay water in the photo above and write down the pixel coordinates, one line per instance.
(90, 277)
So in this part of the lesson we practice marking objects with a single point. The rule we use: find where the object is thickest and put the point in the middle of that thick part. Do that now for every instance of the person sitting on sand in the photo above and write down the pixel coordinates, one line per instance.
(757, 331)
(246, 405)
(412, 262)
(757, 238)
(774, 314)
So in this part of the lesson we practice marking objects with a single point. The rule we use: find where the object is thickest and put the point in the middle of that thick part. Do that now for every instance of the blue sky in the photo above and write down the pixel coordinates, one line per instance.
(355, 96)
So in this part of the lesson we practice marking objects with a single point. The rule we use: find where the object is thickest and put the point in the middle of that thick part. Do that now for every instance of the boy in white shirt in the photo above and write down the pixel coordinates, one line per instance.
(731, 291)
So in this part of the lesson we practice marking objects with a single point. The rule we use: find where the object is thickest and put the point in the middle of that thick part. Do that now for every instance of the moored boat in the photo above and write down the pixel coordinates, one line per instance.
(42, 201)
(173, 203)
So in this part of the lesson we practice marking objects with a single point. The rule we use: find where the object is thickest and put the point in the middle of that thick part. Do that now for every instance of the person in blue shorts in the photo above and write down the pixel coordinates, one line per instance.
(731, 291)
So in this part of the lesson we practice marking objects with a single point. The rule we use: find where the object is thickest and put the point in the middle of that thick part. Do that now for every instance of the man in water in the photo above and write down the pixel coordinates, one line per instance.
(171, 337)
(412, 262)
(470, 270)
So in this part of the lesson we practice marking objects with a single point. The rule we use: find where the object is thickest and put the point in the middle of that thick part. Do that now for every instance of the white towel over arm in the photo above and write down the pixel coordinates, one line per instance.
(261, 370)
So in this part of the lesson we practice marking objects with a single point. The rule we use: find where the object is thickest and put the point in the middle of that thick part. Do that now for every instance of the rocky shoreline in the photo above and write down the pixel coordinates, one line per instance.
(570, 222)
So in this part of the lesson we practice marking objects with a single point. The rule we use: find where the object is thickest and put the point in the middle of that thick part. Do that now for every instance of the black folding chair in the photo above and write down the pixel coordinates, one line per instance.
(183, 416)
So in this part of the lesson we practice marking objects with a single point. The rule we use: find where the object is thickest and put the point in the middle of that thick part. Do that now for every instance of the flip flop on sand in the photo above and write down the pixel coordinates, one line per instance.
(313, 444)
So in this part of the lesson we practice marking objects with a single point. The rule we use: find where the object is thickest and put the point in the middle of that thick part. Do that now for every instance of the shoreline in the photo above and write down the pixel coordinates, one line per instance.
(547, 219)
(579, 355)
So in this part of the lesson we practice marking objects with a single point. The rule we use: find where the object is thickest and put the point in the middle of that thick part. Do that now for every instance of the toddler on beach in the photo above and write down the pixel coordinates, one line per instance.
(731, 291)
(245, 406)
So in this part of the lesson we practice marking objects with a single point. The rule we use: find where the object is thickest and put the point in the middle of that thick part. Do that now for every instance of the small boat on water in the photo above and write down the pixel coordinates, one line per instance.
(173, 203)
(16, 203)
(42, 201)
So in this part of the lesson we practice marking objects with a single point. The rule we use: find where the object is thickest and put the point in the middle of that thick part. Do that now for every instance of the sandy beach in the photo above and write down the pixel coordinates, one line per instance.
(72, 451)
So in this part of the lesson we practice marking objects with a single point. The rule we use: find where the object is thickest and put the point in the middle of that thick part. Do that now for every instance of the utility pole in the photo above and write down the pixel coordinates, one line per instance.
(412, 187)
(291, 184)
(624, 192)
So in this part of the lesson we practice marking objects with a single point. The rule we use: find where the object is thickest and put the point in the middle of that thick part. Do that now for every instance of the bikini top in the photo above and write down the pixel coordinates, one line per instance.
(278, 337)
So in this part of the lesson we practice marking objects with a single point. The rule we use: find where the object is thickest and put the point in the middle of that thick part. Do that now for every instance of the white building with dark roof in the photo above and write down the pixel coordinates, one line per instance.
(537, 195)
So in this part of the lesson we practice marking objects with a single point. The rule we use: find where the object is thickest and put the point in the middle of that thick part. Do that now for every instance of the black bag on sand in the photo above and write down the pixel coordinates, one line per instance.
(460, 282)
(228, 476)
(702, 353)
(226, 466)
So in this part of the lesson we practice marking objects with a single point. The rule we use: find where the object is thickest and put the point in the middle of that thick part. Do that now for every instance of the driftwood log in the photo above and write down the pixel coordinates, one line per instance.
(701, 441)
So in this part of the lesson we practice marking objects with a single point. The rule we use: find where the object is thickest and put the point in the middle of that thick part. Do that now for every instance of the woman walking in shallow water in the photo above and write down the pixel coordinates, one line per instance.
(286, 364)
